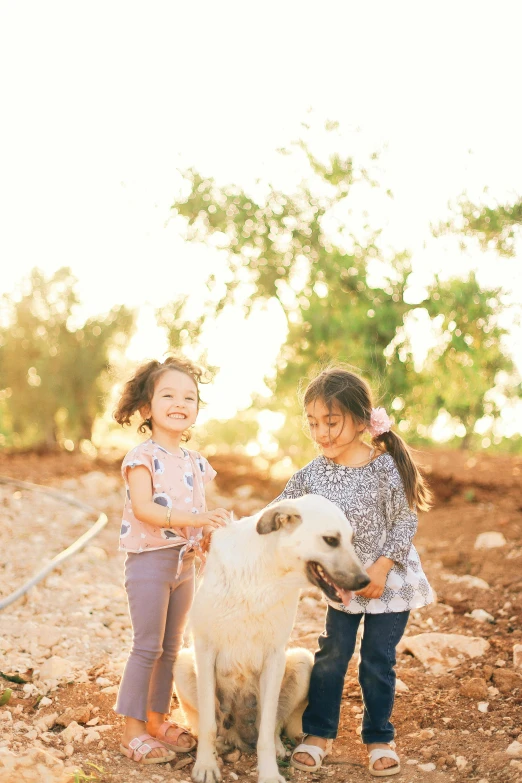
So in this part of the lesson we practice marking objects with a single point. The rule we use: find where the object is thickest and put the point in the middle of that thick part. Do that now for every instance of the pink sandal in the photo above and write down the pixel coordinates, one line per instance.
(140, 747)
(174, 736)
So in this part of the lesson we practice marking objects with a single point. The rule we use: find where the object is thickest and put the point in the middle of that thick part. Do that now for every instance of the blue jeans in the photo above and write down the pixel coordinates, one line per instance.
(381, 635)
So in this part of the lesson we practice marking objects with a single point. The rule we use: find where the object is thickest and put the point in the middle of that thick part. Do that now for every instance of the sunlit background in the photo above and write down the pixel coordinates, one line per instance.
(104, 106)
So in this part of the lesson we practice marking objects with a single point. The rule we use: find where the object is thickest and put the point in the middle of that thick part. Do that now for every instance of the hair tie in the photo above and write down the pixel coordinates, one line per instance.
(380, 422)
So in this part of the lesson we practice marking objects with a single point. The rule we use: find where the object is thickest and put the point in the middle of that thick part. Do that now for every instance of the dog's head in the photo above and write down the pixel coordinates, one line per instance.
(315, 538)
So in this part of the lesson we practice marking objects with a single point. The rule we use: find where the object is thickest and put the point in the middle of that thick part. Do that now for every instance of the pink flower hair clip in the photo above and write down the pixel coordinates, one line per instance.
(380, 422)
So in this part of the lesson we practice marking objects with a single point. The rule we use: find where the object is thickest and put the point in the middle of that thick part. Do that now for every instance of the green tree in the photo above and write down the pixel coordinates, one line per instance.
(468, 371)
(494, 227)
(281, 245)
(54, 377)
(344, 298)
(181, 331)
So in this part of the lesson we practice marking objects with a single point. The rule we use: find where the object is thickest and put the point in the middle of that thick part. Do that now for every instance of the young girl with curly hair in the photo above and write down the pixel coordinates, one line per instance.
(164, 518)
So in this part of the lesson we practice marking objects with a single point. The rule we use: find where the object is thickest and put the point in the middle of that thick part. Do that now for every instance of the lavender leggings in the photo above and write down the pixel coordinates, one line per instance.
(159, 605)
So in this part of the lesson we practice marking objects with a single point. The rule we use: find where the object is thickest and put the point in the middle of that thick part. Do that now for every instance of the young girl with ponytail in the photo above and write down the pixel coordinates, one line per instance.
(379, 488)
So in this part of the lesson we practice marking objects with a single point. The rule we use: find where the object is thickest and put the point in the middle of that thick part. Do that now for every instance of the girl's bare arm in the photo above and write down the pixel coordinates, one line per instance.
(144, 508)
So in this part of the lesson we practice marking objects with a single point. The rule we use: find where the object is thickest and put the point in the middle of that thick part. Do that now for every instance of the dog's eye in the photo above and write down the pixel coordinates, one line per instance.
(331, 540)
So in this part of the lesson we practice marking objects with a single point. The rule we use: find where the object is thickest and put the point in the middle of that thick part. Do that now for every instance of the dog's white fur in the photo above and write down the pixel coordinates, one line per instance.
(241, 620)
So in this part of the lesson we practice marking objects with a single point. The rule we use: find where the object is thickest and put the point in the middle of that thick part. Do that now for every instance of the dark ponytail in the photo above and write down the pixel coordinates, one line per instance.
(352, 394)
(417, 492)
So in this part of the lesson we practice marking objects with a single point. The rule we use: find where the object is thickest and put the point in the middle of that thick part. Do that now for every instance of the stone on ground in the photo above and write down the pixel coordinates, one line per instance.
(442, 651)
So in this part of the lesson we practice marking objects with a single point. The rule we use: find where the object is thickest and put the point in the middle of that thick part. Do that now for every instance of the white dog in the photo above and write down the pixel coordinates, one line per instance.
(241, 620)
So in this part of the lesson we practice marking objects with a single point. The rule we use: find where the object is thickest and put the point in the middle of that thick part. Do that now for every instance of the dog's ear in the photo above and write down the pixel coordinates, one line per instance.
(275, 517)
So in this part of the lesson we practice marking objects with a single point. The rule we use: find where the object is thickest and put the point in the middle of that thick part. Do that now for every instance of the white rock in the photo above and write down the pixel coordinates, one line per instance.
(427, 767)
(96, 552)
(517, 656)
(56, 668)
(461, 763)
(483, 706)
(45, 701)
(48, 636)
(400, 686)
(481, 616)
(46, 721)
(515, 750)
(73, 733)
(490, 540)
(440, 651)
(91, 736)
(110, 689)
(412, 761)
(466, 581)
(5, 644)
(103, 681)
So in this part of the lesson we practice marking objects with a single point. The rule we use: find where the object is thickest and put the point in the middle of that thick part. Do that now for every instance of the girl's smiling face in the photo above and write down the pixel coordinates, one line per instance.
(334, 431)
(174, 405)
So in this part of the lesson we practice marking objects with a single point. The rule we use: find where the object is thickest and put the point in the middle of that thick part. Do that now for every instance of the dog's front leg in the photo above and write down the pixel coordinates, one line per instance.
(271, 679)
(206, 769)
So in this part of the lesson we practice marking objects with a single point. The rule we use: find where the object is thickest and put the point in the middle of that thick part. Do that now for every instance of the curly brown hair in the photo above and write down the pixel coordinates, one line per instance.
(354, 397)
(139, 390)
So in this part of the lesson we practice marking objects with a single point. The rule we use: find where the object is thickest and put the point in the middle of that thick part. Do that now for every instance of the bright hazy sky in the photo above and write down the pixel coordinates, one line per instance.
(103, 102)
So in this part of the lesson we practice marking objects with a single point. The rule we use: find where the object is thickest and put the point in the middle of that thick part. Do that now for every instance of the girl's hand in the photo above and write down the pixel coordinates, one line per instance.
(378, 573)
(219, 517)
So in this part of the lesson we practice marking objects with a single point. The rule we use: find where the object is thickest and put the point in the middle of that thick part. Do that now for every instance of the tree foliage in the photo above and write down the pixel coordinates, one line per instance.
(495, 227)
(280, 246)
(54, 377)
(344, 298)
(181, 331)
(469, 359)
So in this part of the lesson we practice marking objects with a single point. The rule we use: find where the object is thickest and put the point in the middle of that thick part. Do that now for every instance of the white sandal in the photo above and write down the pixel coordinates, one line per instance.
(314, 751)
(383, 753)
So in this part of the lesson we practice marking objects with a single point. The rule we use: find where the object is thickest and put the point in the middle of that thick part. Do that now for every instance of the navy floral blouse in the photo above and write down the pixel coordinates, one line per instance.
(374, 502)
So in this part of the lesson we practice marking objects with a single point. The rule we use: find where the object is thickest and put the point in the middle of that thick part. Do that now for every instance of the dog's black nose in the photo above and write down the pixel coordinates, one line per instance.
(361, 581)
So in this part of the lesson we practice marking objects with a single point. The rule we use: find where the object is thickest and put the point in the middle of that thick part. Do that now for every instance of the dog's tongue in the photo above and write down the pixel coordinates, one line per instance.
(346, 595)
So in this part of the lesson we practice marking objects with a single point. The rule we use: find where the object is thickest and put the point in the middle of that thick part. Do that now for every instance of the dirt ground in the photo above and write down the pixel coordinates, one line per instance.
(454, 721)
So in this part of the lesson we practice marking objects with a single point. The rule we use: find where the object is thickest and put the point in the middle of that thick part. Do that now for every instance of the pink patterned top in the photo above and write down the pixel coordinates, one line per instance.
(178, 482)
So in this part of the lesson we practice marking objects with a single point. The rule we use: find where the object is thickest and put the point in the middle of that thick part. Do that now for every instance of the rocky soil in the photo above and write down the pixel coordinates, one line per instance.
(458, 710)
